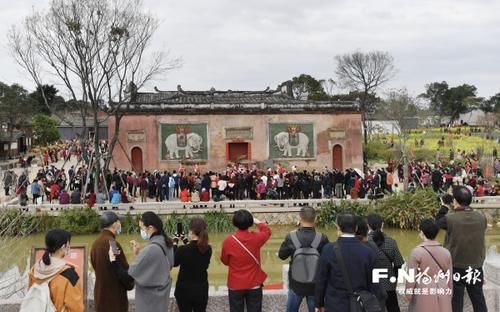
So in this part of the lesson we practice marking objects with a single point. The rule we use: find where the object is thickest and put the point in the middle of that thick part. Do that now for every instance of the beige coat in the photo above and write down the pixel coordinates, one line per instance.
(421, 259)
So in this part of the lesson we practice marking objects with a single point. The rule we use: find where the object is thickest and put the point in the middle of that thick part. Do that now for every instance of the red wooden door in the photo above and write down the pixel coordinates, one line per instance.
(137, 160)
(237, 152)
(337, 157)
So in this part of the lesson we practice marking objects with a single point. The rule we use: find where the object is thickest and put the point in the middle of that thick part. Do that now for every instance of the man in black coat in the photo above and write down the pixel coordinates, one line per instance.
(437, 179)
(330, 292)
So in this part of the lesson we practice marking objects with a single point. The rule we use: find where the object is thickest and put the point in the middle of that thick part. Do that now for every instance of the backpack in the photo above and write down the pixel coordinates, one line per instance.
(305, 259)
(38, 299)
(171, 182)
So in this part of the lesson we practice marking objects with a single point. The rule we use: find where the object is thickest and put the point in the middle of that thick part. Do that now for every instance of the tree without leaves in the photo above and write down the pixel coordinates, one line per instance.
(401, 107)
(95, 48)
(364, 72)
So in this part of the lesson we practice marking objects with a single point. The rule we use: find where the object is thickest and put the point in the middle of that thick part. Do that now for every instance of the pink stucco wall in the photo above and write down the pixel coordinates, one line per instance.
(349, 122)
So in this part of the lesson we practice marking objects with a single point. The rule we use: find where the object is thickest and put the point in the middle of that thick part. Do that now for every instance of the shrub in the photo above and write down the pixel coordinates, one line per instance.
(130, 225)
(79, 221)
(405, 210)
(401, 210)
(15, 222)
(377, 151)
(330, 210)
(218, 221)
(170, 223)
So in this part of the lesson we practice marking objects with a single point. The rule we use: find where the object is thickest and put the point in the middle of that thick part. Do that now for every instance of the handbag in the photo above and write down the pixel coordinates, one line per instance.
(360, 301)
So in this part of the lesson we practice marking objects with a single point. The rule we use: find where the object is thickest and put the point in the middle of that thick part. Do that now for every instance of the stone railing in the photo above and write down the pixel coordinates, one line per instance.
(263, 206)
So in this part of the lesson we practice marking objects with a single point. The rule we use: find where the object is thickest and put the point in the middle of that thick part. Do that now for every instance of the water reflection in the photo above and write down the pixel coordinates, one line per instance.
(406, 240)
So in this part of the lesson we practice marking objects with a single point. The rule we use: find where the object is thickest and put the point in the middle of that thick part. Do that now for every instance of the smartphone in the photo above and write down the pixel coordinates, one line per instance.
(114, 247)
(180, 229)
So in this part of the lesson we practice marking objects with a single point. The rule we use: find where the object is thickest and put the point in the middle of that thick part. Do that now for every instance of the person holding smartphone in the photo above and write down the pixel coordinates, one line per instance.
(151, 267)
(111, 285)
(191, 290)
(241, 253)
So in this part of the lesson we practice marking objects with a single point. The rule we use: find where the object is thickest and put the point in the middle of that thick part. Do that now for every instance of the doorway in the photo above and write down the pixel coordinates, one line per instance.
(337, 157)
(236, 152)
(137, 159)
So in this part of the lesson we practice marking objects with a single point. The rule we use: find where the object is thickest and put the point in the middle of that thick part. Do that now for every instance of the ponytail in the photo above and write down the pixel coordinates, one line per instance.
(199, 228)
(46, 257)
(375, 222)
(378, 237)
(54, 240)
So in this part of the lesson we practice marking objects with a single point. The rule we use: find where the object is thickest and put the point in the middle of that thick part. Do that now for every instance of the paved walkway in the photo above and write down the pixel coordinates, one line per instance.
(32, 172)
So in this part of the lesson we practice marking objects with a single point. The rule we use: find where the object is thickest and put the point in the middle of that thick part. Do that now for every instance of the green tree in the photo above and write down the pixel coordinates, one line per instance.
(307, 86)
(365, 72)
(356, 96)
(54, 102)
(460, 100)
(435, 93)
(15, 109)
(45, 129)
(491, 105)
(446, 101)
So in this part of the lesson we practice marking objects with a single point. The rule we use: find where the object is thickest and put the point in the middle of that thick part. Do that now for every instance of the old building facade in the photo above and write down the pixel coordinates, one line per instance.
(210, 129)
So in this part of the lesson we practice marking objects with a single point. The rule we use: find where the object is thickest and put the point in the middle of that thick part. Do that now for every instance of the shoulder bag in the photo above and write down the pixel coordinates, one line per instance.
(360, 301)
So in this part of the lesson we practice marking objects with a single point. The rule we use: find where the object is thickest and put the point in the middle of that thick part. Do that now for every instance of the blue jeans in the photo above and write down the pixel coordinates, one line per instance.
(294, 301)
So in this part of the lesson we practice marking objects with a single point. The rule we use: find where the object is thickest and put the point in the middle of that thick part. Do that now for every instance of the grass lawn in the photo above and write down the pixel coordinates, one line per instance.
(379, 147)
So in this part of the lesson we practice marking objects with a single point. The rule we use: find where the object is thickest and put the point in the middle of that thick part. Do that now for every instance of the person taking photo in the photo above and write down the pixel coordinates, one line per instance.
(191, 289)
(241, 253)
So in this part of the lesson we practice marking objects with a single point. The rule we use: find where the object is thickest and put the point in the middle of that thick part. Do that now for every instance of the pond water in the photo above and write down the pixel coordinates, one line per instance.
(20, 249)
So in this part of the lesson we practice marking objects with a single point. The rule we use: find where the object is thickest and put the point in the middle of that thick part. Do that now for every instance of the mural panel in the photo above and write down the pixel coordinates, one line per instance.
(291, 141)
(184, 141)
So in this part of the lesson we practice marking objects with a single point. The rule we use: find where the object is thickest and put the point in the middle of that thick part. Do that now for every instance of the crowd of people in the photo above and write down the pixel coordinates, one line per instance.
(76, 186)
(360, 267)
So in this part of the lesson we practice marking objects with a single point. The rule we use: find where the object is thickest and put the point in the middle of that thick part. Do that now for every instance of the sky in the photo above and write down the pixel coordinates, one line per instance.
(249, 45)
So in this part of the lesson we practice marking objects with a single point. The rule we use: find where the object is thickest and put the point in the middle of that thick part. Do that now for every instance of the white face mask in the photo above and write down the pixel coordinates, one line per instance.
(119, 230)
(67, 250)
(145, 235)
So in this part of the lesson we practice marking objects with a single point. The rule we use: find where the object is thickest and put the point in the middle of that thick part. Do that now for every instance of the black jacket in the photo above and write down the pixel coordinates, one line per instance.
(330, 290)
(192, 281)
(306, 236)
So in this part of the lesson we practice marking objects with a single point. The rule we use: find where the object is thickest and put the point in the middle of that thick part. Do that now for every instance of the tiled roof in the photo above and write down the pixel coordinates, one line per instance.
(75, 119)
(214, 101)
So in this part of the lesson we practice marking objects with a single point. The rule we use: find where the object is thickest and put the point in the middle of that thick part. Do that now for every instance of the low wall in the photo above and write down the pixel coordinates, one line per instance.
(275, 300)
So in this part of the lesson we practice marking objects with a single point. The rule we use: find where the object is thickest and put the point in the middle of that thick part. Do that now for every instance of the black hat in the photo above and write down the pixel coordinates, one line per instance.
(109, 217)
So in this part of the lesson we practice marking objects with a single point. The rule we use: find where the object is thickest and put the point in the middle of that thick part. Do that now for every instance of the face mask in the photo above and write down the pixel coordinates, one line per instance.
(119, 230)
(144, 235)
(67, 251)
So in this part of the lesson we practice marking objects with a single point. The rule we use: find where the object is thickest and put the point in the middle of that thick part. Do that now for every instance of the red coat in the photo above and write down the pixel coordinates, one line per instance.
(204, 196)
(185, 195)
(244, 273)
